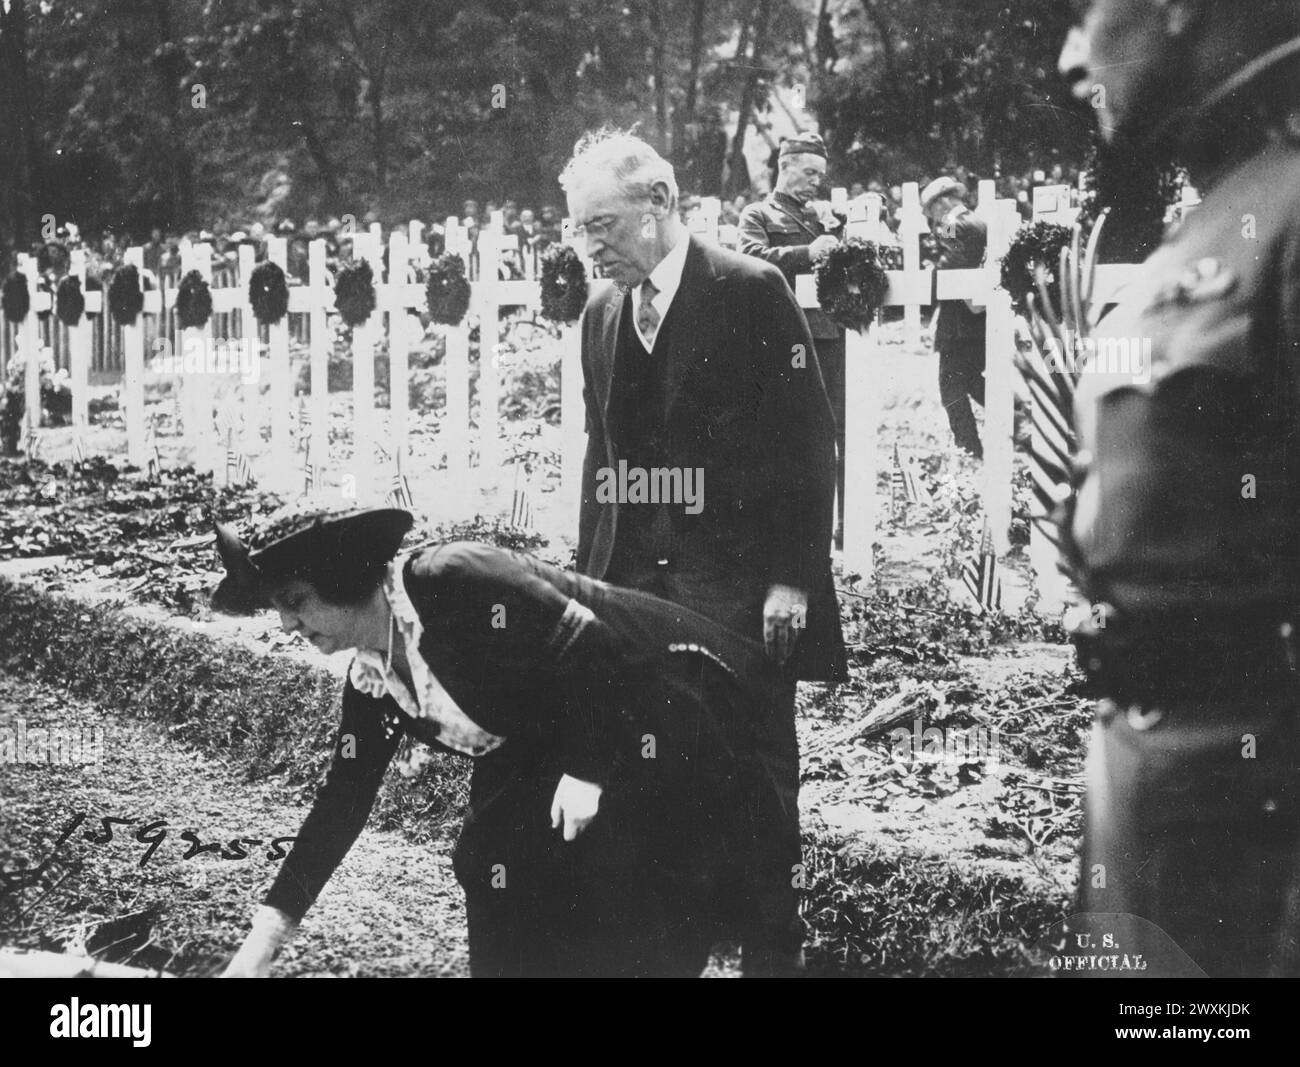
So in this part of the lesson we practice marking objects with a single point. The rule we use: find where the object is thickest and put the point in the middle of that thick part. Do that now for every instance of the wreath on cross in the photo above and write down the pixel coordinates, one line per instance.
(851, 281)
(1036, 244)
(447, 290)
(69, 301)
(354, 293)
(193, 301)
(563, 284)
(16, 299)
(268, 293)
(125, 295)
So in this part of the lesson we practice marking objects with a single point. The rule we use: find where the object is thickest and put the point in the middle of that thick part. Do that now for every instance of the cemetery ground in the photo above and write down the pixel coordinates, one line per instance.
(941, 785)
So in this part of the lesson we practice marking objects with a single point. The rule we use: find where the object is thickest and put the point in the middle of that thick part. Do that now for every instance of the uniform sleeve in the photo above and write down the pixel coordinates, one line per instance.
(1290, 299)
(361, 755)
(797, 435)
(754, 241)
(965, 249)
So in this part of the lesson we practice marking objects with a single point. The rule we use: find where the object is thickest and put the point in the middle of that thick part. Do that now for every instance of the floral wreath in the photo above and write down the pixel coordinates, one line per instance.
(69, 301)
(193, 301)
(851, 281)
(564, 284)
(447, 293)
(354, 293)
(1037, 244)
(16, 299)
(268, 293)
(125, 296)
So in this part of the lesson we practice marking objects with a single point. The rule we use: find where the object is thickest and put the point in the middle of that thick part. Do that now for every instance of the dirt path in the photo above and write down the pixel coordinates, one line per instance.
(393, 908)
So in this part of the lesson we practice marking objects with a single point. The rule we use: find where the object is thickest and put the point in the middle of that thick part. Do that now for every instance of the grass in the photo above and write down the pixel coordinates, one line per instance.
(894, 915)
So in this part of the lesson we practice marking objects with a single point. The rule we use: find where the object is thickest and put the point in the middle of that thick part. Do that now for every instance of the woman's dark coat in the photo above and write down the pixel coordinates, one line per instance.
(662, 707)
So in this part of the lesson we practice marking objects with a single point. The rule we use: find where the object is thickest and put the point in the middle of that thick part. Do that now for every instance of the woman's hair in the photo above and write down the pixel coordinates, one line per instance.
(343, 586)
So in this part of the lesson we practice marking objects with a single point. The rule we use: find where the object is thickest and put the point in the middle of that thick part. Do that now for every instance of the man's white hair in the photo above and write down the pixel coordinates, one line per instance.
(630, 161)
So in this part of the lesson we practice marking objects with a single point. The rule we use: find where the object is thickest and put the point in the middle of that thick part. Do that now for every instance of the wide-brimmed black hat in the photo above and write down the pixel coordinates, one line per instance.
(297, 541)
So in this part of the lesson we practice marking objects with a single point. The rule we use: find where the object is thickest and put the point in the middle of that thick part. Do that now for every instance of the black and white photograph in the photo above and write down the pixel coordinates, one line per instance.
(651, 489)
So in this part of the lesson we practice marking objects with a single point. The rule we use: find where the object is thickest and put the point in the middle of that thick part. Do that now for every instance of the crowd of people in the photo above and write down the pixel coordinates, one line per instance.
(532, 228)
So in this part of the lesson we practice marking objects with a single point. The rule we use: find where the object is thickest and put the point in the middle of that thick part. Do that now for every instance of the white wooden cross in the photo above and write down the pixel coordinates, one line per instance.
(455, 422)
(31, 348)
(133, 367)
(370, 489)
(284, 476)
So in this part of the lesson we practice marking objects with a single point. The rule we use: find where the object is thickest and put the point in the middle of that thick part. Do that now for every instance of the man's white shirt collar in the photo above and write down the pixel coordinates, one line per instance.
(667, 278)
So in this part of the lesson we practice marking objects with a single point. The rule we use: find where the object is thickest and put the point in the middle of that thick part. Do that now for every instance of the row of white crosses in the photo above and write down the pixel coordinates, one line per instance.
(910, 288)
(201, 392)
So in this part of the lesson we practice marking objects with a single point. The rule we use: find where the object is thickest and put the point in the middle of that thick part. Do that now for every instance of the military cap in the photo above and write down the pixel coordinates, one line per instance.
(810, 143)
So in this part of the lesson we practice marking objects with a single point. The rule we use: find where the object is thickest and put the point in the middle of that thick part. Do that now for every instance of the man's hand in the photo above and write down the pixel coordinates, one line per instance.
(822, 244)
(574, 805)
(785, 613)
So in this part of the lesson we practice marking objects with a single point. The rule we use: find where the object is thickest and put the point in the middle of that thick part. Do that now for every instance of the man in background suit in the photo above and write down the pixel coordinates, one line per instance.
(788, 233)
(698, 361)
(959, 335)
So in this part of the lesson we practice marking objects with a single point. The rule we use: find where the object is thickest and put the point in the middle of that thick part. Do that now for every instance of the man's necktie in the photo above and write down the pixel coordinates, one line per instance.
(647, 318)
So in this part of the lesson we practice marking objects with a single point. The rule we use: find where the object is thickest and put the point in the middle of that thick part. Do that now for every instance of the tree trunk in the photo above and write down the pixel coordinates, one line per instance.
(822, 40)
(320, 156)
(697, 53)
(22, 147)
(660, 74)
(380, 135)
(179, 166)
(735, 184)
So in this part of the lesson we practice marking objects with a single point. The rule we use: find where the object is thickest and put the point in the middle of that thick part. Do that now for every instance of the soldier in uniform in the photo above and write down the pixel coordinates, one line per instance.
(959, 333)
(785, 230)
(1182, 527)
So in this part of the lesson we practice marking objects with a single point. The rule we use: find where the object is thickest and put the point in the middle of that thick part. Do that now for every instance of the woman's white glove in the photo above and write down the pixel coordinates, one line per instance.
(270, 930)
(574, 805)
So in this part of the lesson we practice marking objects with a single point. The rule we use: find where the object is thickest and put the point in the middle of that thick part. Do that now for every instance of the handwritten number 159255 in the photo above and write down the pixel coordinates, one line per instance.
(154, 833)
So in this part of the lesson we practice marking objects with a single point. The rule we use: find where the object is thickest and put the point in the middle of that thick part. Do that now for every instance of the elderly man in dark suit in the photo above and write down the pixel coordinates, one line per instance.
(959, 334)
(785, 230)
(700, 379)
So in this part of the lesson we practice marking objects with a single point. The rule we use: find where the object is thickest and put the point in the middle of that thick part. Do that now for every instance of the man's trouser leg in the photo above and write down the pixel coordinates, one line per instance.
(772, 945)
(955, 390)
(830, 356)
(1192, 825)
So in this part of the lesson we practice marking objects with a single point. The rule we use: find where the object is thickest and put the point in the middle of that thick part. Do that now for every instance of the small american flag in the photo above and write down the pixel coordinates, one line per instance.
(304, 427)
(981, 576)
(153, 461)
(903, 481)
(239, 471)
(308, 471)
(521, 508)
(400, 494)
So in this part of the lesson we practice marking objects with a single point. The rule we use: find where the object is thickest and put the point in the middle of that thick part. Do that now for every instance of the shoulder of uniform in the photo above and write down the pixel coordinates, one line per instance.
(728, 263)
